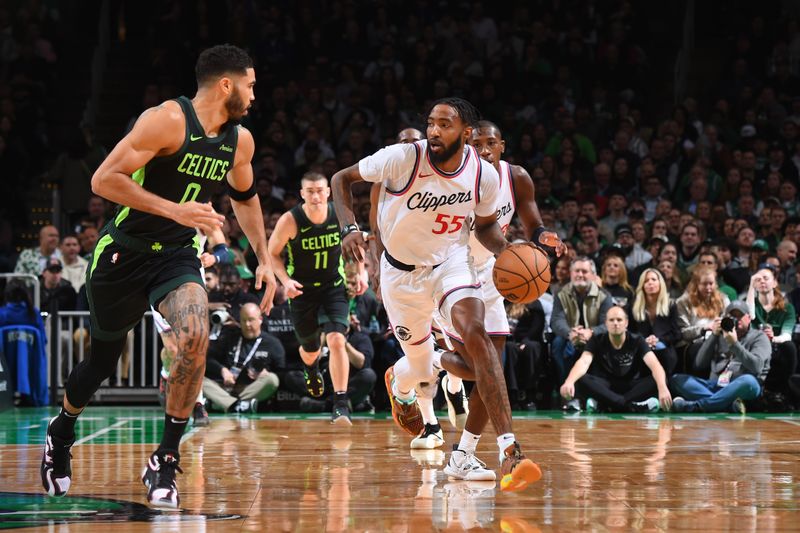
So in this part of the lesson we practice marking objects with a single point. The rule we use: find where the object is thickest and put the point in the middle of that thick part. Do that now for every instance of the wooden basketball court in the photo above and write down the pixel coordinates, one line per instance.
(294, 473)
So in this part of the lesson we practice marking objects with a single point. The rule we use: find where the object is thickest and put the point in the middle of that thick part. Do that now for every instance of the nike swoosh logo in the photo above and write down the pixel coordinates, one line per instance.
(192, 137)
(332, 226)
(425, 175)
(178, 421)
(337, 283)
(303, 230)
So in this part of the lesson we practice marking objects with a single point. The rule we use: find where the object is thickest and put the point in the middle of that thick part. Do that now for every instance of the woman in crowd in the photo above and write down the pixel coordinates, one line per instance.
(655, 318)
(697, 309)
(776, 317)
(614, 279)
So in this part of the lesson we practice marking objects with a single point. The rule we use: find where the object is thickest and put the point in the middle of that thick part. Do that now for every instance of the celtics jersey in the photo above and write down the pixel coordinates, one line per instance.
(315, 253)
(194, 173)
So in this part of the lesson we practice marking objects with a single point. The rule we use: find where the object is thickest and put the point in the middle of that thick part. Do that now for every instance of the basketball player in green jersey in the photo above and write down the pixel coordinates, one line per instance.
(314, 279)
(163, 173)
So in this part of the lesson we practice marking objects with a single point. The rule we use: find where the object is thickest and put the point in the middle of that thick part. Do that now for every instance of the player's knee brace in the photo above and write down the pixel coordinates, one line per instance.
(86, 377)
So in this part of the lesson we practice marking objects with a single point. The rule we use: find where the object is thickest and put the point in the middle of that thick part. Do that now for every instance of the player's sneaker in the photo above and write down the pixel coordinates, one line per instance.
(518, 471)
(315, 385)
(162, 390)
(429, 438)
(56, 469)
(159, 478)
(457, 409)
(466, 466)
(200, 415)
(340, 415)
(405, 414)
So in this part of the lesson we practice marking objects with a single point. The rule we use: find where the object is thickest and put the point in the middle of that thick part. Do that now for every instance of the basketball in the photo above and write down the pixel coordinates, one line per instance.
(521, 273)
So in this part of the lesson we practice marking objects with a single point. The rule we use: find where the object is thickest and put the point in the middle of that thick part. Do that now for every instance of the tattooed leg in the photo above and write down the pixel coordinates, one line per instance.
(186, 310)
(467, 316)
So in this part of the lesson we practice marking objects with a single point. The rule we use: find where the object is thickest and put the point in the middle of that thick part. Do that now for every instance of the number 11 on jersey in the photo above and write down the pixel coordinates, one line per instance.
(321, 260)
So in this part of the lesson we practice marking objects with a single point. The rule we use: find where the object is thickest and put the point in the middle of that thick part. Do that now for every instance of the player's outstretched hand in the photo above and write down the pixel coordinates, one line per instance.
(293, 289)
(354, 246)
(197, 215)
(265, 276)
(550, 242)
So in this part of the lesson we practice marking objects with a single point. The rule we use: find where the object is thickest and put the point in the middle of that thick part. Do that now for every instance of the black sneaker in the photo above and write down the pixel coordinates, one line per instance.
(56, 469)
(314, 382)
(159, 478)
(200, 415)
(340, 415)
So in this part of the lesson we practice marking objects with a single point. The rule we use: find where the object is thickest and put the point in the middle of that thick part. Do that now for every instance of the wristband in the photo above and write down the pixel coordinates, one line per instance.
(242, 196)
(221, 253)
(348, 229)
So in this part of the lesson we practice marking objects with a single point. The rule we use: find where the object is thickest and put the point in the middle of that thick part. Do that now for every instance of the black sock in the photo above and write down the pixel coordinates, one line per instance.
(173, 431)
(63, 426)
(434, 427)
(339, 398)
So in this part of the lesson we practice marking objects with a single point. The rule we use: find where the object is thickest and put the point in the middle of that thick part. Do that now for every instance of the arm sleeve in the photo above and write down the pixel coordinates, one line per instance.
(558, 320)
(391, 166)
(489, 187)
(756, 357)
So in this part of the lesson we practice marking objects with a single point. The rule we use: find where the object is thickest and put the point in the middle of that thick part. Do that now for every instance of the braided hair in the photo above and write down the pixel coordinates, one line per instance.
(467, 112)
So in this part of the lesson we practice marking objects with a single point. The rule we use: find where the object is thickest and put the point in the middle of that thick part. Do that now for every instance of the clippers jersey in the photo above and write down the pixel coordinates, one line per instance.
(194, 173)
(423, 212)
(506, 206)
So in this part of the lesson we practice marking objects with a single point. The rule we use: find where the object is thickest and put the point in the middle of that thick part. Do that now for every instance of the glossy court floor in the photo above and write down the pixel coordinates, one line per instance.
(293, 473)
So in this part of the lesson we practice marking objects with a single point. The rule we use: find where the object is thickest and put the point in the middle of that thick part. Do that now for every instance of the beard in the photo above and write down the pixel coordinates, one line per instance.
(447, 152)
(235, 107)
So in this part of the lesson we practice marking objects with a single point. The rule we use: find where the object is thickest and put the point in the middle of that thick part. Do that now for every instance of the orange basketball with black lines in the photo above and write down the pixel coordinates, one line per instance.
(521, 273)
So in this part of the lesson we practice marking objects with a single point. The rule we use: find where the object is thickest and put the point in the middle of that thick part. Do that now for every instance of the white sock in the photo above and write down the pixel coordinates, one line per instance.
(164, 372)
(426, 409)
(469, 442)
(405, 397)
(200, 397)
(453, 383)
(504, 441)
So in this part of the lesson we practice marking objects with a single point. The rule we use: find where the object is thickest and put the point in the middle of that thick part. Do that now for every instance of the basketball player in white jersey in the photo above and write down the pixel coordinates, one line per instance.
(430, 188)
(517, 194)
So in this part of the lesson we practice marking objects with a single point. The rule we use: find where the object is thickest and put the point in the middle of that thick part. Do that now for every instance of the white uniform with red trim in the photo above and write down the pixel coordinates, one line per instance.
(496, 320)
(423, 218)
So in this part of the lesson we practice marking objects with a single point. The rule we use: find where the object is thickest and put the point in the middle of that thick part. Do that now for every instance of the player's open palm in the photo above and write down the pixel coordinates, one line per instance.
(354, 246)
(197, 215)
(293, 289)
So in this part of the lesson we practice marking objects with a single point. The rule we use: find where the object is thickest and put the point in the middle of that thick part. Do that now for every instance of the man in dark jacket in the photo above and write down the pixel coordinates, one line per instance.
(739, 357)
(243, 365)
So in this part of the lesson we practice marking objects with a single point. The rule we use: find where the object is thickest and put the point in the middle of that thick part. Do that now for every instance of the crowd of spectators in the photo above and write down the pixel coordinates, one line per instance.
(673, 207)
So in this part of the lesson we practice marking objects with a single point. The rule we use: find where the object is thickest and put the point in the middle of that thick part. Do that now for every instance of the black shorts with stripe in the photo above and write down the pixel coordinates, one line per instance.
(320, 309)
(122, 283)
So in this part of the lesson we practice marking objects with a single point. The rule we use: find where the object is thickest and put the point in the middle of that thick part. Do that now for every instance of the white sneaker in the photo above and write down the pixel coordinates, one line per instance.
(457, 408)
(649, 405)
(428, 439)
(466, 466)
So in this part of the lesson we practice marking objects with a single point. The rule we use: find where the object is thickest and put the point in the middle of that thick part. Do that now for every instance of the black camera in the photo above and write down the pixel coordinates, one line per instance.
(259, 362)
(728, 323)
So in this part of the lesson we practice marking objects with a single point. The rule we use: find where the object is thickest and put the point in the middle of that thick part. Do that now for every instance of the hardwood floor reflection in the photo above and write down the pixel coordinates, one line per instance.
(634, 474)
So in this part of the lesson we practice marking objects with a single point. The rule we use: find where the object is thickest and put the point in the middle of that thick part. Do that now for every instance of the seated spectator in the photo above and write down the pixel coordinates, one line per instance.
(19, 309)
(655, 318)
(614, 280)
(697, 309)
(243, 364)
(776, 317)
(710, 260)
(610, 371)
(739, 359)
(630, 250)
(74, 265)
(57, 294)
(579, 312)
(33, 260)
(560, 274)
(672, 279)
(88, 239)
(231, 296)
(524, 359)
(787, 255)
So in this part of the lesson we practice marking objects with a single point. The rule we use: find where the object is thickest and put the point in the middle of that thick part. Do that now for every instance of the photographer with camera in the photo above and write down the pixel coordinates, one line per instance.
(739, 357)
(242, 365)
